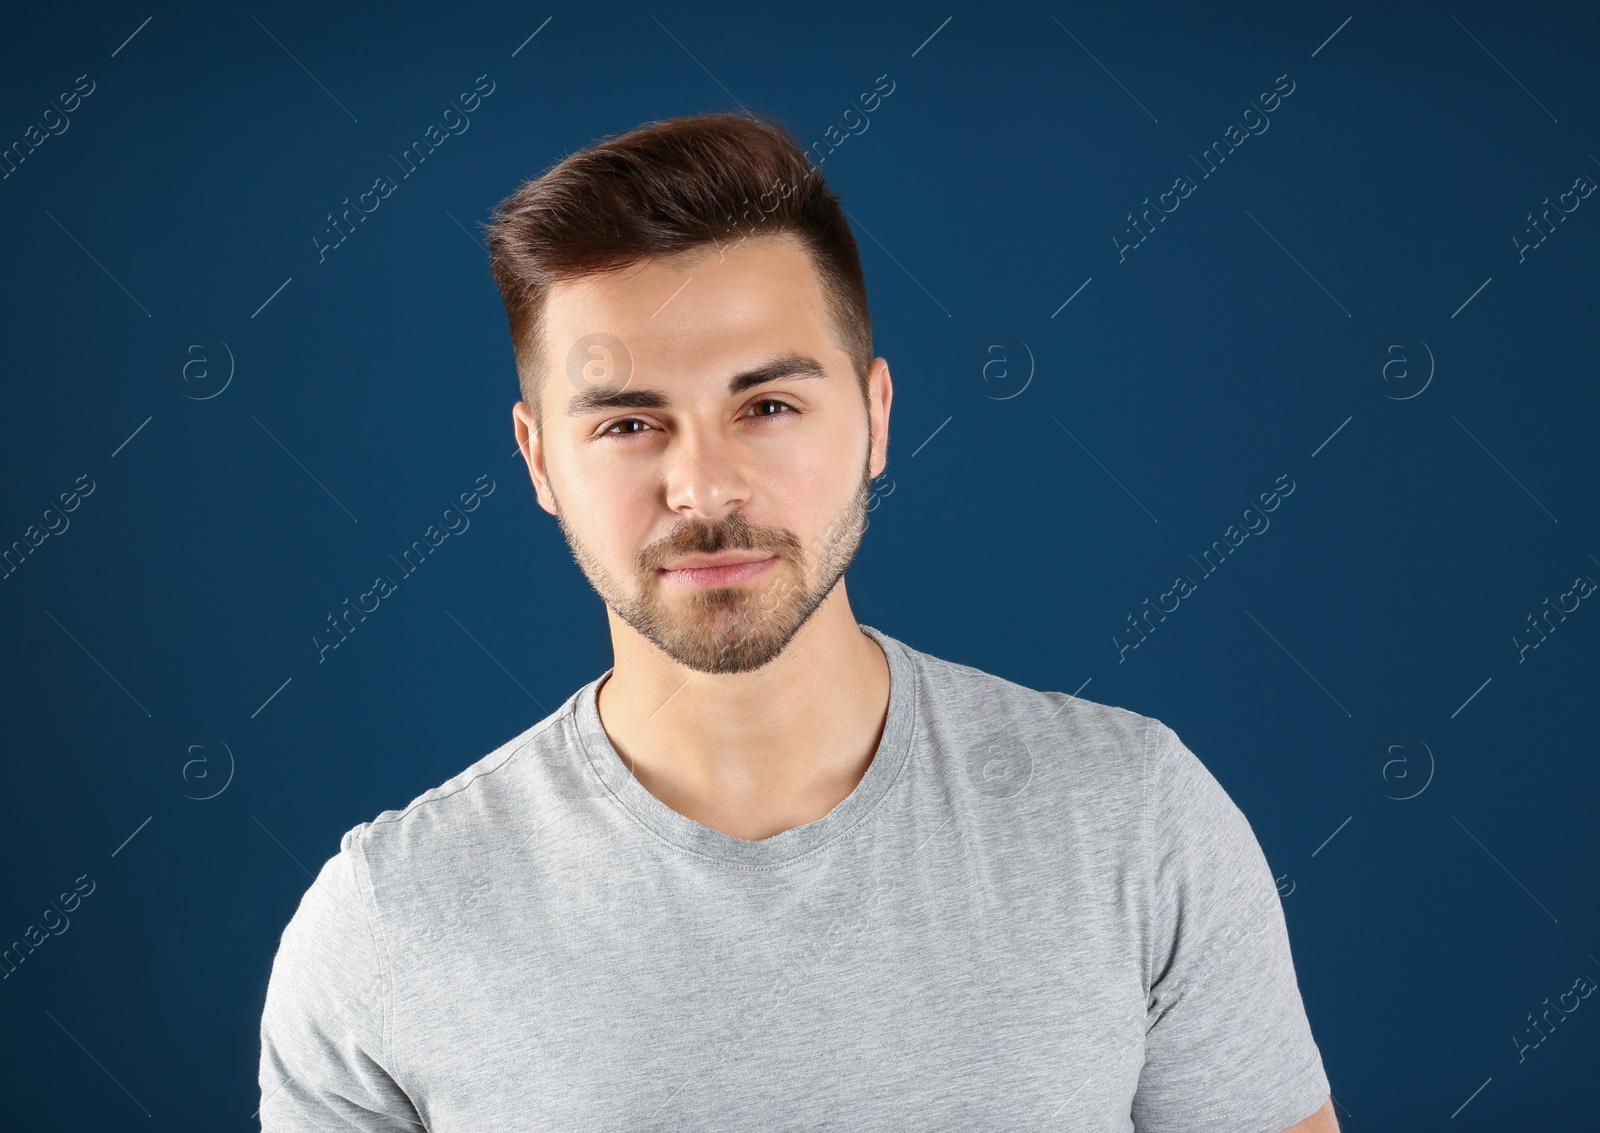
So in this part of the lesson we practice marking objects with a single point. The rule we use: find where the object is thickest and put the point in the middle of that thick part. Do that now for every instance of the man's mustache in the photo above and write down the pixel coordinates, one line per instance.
(703, 539)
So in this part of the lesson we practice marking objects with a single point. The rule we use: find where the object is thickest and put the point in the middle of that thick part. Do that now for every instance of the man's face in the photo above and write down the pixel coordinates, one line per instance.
(647, 458)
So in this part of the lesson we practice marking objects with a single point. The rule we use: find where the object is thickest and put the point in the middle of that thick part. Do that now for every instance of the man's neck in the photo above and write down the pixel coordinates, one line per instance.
(752, 754)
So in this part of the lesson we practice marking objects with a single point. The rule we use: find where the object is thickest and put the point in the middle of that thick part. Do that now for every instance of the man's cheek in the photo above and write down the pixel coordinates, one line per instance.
(773, 596)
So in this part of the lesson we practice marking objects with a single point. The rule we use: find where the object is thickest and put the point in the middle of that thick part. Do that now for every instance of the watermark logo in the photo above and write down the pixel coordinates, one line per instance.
(1401, 380)
(1539, 230)
(53, 121)
(55, 922)
(207, 777)
(1566, 1003)
(55, 523)
(455, 522)
(1001, 767)
(1552, 615)
(1252, 122)
(201, 379)
(455, 122)
(1407, 774)
(1144, 622)
(834, 137)
(878, 494)
(599, 359)
(1004, 371)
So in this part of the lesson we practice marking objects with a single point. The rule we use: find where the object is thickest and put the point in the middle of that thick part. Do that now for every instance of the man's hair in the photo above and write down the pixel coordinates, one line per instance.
(665, 188)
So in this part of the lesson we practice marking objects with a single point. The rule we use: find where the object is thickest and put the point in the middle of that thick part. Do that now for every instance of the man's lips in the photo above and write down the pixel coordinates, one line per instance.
(723, 575)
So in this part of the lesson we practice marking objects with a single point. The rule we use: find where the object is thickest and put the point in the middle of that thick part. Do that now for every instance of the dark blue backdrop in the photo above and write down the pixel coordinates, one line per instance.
(215, 432)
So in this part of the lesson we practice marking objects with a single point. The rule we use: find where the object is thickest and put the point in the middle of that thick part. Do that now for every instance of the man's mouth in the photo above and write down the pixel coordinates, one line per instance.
(715, 573)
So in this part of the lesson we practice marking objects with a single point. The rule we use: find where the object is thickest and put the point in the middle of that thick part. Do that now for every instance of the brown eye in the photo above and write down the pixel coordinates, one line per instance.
(626, 421)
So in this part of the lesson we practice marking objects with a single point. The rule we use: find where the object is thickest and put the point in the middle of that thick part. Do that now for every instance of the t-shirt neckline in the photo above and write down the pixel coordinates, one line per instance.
(607, 765)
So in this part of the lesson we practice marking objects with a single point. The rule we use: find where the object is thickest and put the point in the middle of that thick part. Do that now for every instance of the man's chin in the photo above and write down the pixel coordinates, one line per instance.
(736, 638)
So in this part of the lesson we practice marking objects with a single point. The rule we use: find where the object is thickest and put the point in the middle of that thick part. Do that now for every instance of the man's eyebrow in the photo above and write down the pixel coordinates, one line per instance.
(597, 398)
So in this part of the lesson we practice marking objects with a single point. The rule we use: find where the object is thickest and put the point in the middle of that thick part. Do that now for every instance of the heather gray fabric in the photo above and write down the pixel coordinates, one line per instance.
(1033, 912)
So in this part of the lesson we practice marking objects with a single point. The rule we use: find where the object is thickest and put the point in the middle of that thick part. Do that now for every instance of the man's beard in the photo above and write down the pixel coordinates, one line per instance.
(741, 627)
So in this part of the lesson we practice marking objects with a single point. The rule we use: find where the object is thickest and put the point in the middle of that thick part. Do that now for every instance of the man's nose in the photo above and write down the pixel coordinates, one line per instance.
(706, 475)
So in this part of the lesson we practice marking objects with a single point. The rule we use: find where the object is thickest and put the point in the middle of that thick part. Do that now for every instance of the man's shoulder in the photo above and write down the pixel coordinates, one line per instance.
(474, 810)
(974, 699)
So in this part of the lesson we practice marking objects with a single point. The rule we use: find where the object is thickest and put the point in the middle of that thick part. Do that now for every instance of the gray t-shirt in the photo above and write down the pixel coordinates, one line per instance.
(1033, 912)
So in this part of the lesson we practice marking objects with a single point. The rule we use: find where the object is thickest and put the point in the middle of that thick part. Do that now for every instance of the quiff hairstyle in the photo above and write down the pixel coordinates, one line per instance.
(661, 189)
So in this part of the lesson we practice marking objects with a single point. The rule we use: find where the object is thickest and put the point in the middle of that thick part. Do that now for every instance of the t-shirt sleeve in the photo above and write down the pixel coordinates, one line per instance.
(324, 1063)
(1227, 1043)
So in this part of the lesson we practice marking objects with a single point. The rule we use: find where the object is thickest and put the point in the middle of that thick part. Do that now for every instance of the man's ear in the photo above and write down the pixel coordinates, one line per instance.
(880, 393)
(532, 446)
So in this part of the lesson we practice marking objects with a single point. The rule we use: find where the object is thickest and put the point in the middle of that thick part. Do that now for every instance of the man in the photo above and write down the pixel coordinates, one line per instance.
(773, 869)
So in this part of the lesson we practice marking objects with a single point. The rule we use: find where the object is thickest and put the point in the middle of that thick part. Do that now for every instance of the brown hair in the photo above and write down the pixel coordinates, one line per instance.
(663, 188)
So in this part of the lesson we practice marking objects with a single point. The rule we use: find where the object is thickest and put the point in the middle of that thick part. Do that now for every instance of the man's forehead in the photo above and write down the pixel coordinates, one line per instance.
(666, 305)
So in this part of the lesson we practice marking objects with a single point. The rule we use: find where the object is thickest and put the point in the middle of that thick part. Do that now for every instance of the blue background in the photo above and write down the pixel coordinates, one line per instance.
(1359, 651)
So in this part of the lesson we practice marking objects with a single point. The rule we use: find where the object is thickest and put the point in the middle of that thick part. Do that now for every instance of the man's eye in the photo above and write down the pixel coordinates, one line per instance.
(773, 401)
(619, 424)
(612, 430)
